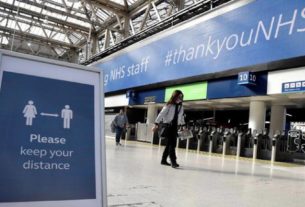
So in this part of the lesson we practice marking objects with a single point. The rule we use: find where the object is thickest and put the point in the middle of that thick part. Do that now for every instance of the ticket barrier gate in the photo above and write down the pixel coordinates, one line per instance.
(226, 142)
(266, 143)
(215, 144)
(248, 148)
(295, 146)
(256, 145)
(212, 140)
(194, 141)
(219, 137)
(261, 146)
(253, 144)
(204, 140)
(279, 148)
(217, 140)
(233, 142)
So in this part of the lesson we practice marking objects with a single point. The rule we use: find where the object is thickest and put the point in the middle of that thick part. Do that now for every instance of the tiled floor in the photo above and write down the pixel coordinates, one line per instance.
(136, 179)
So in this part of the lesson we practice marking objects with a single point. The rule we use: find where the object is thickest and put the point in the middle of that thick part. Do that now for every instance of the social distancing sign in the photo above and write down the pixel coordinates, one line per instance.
(51, 148)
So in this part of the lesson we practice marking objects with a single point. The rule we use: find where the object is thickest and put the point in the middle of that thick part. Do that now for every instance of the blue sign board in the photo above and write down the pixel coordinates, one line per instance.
(246, 78)
(47, 139)
(295, 86)
(259, 32)
(228, 87)
(145, 97)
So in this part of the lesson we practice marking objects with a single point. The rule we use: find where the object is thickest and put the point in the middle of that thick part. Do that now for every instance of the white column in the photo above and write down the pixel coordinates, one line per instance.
(257, 115)
(278, 119)
(152, 112)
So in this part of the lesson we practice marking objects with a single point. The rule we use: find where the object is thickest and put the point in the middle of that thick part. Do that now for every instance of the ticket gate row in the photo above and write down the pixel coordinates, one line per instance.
(256, 144)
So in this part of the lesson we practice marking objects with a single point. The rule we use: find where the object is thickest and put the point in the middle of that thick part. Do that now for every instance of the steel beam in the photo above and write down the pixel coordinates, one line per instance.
(33, 36)
(42, 16)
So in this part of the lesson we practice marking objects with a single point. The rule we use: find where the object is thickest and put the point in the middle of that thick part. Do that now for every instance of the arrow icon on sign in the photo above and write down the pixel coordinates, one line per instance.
(47, 114)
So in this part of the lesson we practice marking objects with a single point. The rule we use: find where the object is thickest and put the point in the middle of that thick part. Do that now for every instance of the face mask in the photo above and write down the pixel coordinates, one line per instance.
(178, 101)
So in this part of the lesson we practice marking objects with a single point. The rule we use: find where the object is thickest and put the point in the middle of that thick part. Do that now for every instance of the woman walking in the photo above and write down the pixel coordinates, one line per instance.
(171, 115)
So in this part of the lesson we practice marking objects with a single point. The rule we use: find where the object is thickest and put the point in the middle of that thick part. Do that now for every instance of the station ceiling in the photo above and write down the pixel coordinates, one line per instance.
(75, 30)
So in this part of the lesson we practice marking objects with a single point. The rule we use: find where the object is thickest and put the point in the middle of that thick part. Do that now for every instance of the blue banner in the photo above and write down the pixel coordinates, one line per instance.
(259, 32)
(47, 148)
(145, 97)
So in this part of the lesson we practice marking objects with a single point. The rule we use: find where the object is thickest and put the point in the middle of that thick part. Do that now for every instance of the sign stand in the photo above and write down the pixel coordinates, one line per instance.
(52, 139)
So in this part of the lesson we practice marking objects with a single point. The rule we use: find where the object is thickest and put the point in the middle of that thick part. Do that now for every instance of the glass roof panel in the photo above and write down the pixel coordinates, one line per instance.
(78, 22)
(69, 21)
(119, 2)
(3, 40)
(9, 1)
(61, 37)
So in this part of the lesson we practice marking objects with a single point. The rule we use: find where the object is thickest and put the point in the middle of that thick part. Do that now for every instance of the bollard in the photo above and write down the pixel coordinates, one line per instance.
(273, 151)
(255, 147)
(187, 144)
(224, 145)
(224, 141)
(211, 144)
(160, 141)
(238, 145)
(198, 145)
(177, 145)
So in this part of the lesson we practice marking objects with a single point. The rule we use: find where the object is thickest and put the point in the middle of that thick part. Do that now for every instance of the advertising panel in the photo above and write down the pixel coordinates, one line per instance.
(194, 91)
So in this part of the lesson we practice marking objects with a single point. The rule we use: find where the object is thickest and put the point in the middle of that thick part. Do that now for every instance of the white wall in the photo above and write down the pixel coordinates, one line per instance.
(275, 79)
(116, 101)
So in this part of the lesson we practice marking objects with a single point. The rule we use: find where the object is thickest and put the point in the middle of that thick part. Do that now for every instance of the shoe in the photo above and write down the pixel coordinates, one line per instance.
(175, 165)
(118, 144)
(165, 163)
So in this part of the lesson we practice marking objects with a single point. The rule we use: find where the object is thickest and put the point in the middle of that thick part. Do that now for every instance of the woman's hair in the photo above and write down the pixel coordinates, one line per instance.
(174, 97)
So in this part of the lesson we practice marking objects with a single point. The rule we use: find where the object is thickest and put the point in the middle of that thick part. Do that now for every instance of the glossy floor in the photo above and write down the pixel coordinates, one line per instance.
(136, 178)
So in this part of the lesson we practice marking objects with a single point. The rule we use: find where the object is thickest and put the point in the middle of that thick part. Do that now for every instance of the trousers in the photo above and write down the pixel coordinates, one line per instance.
(118, 133)
(170, 148)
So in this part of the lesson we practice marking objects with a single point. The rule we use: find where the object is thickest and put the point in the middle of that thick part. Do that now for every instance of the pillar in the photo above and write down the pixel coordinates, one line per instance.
(257, 115)
(278, 119)
(152, 112)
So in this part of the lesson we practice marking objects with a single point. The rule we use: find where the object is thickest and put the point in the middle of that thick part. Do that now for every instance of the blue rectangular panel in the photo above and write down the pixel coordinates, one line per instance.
(259, 32)
(142, 97)
(228, 88)
(295, 86)
(47, 139)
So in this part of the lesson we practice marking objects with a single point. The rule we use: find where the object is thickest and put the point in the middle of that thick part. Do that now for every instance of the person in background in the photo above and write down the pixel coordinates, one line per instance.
(171, 114)
(120, 122)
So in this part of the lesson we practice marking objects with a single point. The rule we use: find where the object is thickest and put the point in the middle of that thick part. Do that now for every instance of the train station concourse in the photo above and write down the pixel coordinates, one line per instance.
(152, 103)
